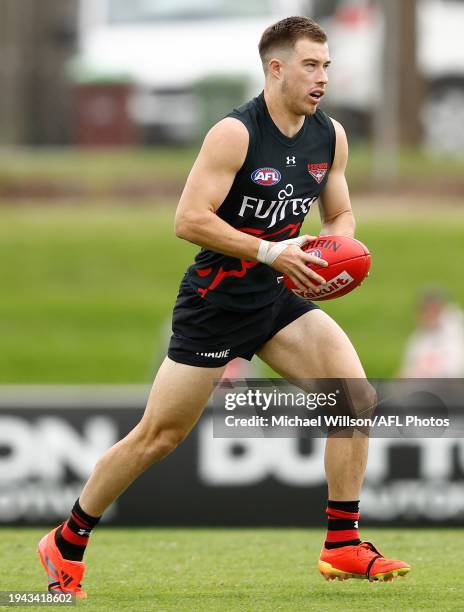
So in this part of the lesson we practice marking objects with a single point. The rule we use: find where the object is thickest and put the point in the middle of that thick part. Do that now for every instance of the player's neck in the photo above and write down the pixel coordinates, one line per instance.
(287, 122)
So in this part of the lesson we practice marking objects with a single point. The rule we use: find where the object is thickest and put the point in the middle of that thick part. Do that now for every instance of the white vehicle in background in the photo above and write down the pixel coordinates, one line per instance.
(355, 33)
(165, 47)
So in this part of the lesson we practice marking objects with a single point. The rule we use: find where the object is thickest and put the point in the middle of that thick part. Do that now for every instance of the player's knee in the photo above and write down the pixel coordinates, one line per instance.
(361, 398)
(162, 443)
(366, 400)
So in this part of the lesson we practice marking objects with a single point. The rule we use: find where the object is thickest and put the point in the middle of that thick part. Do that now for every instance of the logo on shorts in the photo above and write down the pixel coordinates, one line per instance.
(266, 176)
(318, 171)
(216, 355)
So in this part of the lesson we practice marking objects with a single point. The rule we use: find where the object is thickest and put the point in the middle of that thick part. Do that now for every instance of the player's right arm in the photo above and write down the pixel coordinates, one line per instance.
(220, 158)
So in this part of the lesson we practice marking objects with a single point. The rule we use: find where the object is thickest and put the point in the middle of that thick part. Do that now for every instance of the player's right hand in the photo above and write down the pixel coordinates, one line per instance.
(288, 257)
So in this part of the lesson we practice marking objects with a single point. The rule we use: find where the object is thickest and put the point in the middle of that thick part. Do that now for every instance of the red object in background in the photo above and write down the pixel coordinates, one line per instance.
(349, 263)
(102, 115)
(356, 14)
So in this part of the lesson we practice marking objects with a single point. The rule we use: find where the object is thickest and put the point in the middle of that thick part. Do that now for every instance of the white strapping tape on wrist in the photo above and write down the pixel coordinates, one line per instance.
(262, 251)
(269, 251)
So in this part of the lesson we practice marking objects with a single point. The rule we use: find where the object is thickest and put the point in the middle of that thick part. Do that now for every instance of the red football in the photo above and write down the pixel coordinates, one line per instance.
(349, 262)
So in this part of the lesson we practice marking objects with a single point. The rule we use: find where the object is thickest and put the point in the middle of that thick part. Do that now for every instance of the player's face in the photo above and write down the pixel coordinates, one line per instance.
(305, 76)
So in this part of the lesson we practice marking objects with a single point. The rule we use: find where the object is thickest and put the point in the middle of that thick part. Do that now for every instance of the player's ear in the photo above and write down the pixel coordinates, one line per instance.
(274, 67)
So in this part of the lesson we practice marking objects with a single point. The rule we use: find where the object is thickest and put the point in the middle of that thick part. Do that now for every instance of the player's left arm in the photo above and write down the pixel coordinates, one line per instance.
(334, 202)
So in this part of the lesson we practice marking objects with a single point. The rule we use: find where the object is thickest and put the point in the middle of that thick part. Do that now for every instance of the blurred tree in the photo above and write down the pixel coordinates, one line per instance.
(397, 116)
(36, 40)
(411, 86)
(320, 9)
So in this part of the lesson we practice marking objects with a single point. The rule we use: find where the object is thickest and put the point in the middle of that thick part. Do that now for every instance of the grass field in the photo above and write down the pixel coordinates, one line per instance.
(262, 570)
(87, 292)
(98, 170)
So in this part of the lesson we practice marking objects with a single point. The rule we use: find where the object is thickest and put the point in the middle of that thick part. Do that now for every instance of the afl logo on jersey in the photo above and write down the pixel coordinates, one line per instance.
(266, 176)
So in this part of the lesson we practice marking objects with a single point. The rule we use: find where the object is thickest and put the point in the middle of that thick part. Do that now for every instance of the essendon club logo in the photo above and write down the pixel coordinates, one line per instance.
(266, 176)
(318, 171)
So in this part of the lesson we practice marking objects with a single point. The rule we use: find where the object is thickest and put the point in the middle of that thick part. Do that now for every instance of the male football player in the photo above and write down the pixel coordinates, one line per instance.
(257, 174)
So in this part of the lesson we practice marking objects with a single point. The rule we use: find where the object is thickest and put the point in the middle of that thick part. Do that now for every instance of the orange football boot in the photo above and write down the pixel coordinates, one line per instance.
(64, 576)
(360, 561)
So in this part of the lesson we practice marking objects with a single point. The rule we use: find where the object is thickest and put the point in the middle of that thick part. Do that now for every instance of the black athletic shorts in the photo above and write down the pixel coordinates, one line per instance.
(207, 336)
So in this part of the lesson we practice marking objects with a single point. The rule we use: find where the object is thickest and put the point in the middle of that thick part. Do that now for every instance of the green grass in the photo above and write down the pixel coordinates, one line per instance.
(87, 293)
(426, 170)
(261, 570)
(407, 254)
(98, 170)
(95, 167)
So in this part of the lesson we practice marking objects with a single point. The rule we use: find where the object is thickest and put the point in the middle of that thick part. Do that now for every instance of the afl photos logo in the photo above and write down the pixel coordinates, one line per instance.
(266, 176)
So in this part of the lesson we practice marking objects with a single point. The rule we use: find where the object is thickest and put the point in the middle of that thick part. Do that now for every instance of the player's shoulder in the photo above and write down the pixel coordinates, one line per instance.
(226, 143)
(340, 148)
(334, 126)
(338, 127)
(229, 133)
(230, 138)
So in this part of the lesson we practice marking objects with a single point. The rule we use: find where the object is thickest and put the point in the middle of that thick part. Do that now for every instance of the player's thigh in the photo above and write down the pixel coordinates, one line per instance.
(178, 396)
(312, 346)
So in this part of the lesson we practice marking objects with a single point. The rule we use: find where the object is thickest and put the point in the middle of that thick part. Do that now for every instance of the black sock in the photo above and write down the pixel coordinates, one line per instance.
(343, 520)
(73, 535)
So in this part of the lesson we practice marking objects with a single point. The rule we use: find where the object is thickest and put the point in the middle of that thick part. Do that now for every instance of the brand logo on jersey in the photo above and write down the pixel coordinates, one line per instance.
(318, 171)
(266, 176)
(291, 161)
(276, 210)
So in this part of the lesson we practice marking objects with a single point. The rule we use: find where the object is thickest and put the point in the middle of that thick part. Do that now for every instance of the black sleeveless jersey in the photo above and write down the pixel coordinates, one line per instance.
(271, 194)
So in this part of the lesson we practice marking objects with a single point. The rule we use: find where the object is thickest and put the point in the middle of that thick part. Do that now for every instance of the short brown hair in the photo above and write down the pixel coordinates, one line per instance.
(285, 33)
